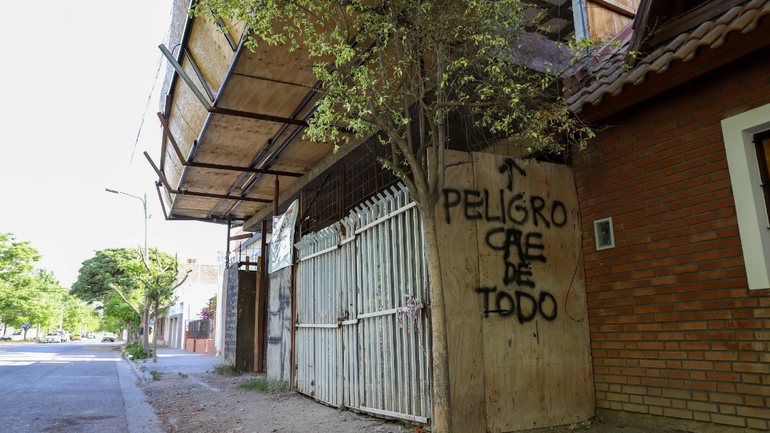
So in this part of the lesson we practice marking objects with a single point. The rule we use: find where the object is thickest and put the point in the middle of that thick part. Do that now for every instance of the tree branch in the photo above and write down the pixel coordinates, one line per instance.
(183, 280)
(136, 310)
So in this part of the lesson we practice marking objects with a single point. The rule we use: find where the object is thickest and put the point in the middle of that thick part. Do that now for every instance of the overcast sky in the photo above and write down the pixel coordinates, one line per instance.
(76, 77)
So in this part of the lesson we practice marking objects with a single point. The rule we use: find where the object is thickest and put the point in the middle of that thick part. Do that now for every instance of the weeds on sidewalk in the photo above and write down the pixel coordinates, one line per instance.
(227, 370)
(155, 374)
(182, 374)
(135, 351)
(267, 386)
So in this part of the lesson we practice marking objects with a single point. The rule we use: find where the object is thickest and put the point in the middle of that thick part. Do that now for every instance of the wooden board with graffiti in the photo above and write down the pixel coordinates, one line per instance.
(517, 321)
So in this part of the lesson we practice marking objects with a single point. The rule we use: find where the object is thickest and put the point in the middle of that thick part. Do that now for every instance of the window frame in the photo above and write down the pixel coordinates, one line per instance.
(764, 170)
(739, 132)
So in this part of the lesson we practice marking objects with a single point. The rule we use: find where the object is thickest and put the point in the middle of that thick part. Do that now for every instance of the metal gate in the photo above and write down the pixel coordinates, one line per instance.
(361, 337)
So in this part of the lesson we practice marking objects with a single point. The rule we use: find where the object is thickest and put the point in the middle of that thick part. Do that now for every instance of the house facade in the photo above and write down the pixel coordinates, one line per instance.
(202, 284)
(678, 288)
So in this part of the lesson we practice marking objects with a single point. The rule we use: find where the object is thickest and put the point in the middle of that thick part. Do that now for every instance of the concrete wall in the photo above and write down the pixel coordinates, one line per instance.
(277, 363)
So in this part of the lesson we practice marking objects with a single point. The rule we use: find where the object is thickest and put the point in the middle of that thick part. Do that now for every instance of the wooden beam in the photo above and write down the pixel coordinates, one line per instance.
(640, 29)
(617, 7)
(319, 169)
(256, 116)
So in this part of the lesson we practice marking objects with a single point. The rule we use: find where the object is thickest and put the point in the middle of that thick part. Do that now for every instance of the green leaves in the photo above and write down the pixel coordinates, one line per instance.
(120, 280)
(404, 67)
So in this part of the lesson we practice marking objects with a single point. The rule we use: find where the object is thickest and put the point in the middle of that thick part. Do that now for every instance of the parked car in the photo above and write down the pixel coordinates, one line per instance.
(65, 336)
(76, 338)
(108, 336)
(16, 336)
(52, 337)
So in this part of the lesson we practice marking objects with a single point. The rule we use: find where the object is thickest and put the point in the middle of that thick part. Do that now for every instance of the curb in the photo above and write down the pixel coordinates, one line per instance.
(143, 376)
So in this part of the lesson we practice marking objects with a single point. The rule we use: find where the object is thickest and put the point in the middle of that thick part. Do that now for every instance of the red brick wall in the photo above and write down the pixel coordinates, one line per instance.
(674, 329)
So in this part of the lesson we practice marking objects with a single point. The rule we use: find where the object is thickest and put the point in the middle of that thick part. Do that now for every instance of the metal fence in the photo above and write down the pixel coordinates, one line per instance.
(362, 331)
(203, 329)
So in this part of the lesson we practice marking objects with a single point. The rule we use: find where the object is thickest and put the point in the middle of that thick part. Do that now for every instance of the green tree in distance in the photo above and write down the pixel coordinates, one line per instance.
(399, 69)
(140, 282)
(16, 277)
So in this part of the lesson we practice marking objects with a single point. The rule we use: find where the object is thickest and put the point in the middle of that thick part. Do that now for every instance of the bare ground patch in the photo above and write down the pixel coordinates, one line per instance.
(210, 403)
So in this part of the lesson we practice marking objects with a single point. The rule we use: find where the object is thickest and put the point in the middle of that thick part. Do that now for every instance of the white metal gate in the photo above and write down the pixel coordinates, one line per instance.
(361, 337)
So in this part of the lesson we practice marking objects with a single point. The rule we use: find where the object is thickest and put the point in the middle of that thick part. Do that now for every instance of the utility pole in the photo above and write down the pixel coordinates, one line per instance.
(146, 321)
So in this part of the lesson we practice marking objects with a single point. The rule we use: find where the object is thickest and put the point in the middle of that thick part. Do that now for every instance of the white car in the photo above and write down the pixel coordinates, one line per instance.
(52, 337)
(16, 336)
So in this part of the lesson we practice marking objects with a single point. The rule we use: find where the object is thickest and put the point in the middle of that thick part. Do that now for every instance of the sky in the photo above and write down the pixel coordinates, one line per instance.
(76, 78)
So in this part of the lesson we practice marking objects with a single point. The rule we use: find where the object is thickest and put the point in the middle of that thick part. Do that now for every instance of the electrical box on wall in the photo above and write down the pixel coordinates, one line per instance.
(605, 236)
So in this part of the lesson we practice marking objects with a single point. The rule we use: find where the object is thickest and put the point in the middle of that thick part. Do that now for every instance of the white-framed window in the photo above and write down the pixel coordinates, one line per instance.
(740, 133)
(604, 233)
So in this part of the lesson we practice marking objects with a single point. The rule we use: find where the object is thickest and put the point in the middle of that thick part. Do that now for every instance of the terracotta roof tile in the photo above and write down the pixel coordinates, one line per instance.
(610, 77)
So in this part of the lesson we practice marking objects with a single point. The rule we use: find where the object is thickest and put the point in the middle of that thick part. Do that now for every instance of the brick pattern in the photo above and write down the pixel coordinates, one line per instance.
(674, 329)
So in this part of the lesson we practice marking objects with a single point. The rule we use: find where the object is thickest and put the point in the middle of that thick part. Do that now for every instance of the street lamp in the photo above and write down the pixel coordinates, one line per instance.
(144, 203)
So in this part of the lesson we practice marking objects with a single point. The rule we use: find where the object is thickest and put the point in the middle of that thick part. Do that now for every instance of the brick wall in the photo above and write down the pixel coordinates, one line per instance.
(674, 329)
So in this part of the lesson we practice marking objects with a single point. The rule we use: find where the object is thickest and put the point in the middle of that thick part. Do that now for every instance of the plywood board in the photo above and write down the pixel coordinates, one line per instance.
(235, 28)
(604, 23)
(211, 52)
(252, 93)
(529, 296)
(460, 274)
(278, 63)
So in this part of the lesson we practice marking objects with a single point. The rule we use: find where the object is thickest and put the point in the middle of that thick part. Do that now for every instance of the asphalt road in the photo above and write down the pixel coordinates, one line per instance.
(76, 387)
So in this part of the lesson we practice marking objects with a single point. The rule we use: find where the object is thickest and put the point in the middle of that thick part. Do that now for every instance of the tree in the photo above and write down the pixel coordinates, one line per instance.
(400, 69)
(136, 279)
(16, 265)
(107, 278)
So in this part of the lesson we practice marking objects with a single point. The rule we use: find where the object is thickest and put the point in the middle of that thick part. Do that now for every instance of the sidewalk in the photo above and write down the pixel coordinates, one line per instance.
(176, 361)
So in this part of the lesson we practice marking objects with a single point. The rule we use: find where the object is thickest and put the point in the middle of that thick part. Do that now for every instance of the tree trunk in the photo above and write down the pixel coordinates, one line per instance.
(441, 417)
(5, 328)
(155, 331)
(25, 334)
(38, 332)
(145, 331)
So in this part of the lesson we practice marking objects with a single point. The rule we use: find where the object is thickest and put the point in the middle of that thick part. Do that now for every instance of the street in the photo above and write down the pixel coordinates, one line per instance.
(70, 387)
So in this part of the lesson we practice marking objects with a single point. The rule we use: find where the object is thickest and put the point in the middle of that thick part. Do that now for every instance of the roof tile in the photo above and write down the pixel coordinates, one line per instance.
(611, 76)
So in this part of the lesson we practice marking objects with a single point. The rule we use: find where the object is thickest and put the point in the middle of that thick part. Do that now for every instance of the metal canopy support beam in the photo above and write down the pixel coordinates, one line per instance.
(198, 72)
(174, 217)
(251, 224)
(186, 78)
(226, 33)
(179, 155)
(243, 169)
(160, 198)
(200, 194)
(256, 116)
(243, 236)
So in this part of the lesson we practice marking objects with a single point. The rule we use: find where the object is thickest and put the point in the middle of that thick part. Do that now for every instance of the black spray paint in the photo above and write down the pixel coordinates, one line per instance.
(518, 297)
